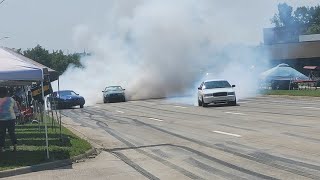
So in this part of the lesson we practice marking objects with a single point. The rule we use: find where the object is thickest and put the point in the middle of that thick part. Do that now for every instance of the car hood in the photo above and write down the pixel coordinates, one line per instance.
(216, 90)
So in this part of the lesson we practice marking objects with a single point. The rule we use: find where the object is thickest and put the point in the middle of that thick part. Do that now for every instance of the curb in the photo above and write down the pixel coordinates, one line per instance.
(47, 166)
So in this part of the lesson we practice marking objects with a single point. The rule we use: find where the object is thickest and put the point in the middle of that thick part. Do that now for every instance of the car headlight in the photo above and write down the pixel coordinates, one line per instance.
(208, 95)
(231, 93)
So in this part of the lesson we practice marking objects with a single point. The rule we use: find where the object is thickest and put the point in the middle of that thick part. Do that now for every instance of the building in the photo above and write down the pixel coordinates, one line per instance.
(290, 46)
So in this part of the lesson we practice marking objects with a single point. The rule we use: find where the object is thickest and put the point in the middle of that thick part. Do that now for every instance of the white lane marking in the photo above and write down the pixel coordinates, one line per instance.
(243, 102)
(120, 112)
(310, 108)
(225, 133)
(235, 113)
(150, 103)
(155, 119)
(180, 107)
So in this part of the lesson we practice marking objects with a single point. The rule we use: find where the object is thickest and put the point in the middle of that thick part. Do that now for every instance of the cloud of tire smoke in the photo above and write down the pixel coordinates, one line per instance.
(162, 48)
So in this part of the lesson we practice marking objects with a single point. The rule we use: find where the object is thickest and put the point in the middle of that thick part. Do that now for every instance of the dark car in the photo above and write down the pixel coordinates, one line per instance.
(65, 99)
(113, 94)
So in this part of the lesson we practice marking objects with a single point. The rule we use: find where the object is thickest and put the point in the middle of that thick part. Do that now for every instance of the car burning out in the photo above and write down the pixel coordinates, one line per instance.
(217, 92)
(65, 99)
(114, 94)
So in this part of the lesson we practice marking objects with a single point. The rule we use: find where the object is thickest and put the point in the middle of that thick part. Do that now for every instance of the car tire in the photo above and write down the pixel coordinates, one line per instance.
(105, 100)
(233, 103)
(199, 102)
(204, 104)
(60, 106)
(54, 106)
(81, 106)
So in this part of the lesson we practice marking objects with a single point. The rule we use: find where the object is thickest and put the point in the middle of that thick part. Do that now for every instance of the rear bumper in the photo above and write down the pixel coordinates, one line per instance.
(219, 99)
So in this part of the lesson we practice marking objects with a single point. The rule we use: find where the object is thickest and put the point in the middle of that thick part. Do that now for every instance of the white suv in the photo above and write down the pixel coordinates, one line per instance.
(217, 92)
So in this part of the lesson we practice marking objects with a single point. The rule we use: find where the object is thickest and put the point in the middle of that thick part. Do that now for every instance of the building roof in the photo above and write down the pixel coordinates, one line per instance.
(282, 72)
(299, 50)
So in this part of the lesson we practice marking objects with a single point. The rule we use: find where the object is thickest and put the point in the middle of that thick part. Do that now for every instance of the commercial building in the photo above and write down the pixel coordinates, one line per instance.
(291, 46)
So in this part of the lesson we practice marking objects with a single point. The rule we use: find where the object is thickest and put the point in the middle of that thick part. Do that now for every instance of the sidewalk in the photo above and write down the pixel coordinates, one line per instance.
(103, 166)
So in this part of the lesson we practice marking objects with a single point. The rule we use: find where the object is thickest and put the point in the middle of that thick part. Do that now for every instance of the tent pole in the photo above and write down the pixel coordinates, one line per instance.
(52, 120)
(45, 119)
(60, 122)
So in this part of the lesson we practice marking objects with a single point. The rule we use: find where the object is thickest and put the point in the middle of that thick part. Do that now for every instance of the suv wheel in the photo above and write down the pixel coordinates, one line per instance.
(233, 103)
(199, 102)
(204, 104)
(105, 100)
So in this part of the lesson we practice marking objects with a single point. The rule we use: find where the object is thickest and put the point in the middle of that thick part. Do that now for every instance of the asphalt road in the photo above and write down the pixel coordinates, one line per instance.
(261, 138)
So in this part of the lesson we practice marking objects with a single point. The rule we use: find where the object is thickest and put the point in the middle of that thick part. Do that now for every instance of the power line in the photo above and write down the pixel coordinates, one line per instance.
(2, 1)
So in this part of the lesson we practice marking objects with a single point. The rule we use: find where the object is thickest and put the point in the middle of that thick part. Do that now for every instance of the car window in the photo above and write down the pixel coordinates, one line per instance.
(216, 84)
(67, 93)
(113, 88)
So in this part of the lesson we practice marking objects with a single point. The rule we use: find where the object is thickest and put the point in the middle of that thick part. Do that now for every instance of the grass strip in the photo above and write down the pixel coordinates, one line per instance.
(31, 148)
(311, 93)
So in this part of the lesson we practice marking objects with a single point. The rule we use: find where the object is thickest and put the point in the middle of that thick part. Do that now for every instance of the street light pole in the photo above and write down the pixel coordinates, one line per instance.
(2, 1)
(6, 37)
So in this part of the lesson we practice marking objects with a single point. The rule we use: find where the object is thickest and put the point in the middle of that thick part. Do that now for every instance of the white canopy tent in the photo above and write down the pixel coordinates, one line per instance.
(15, 71)
(13, 68)
(282, 72)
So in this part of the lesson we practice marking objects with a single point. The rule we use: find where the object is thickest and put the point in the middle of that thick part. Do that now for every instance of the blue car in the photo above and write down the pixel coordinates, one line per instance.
(65, 99)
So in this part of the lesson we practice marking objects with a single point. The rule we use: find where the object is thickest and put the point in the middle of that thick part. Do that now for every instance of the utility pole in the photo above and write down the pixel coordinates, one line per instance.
(6, 37)
(2, 1)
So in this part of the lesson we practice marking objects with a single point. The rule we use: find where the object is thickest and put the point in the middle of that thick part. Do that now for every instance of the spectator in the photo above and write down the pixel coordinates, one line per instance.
(18, 111)
(8, 110)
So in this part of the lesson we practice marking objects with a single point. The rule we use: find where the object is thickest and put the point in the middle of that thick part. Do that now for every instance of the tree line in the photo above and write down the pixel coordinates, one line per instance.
(56, 59)
(307, 17)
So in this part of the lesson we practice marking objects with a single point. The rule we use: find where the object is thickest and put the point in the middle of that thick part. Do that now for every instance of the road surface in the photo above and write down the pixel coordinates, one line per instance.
(261, 138)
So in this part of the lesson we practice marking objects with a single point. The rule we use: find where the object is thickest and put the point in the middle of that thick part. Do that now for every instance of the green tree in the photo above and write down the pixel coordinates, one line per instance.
(308, 17)
(284, 16)
(56, 60)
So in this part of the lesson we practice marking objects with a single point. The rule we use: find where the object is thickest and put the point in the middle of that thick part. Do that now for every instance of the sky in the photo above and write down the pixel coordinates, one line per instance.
(52, 24)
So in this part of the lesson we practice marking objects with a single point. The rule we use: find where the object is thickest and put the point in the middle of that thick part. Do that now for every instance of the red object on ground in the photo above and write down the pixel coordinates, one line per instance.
(27, 112)
(312, 67)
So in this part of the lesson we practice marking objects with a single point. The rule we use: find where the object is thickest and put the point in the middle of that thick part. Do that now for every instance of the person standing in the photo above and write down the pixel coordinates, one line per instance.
(8, 110)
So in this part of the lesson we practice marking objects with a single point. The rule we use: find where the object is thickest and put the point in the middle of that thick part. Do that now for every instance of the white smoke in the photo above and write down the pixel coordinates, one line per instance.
(161, 48)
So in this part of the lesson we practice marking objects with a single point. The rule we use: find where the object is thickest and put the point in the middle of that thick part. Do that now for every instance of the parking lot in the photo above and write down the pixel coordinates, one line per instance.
(261, 138)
